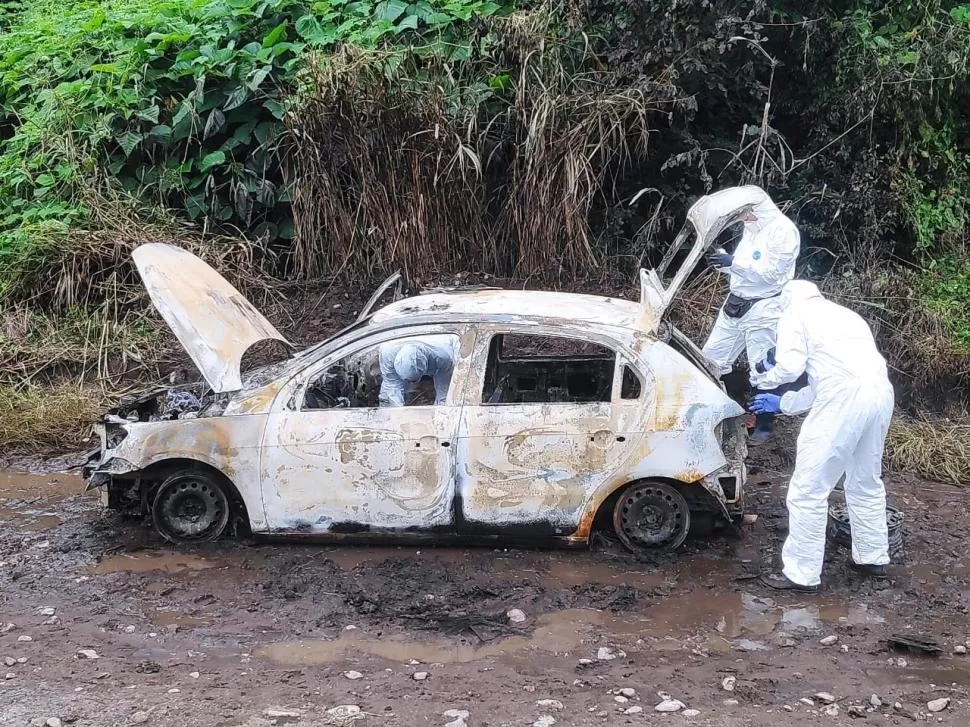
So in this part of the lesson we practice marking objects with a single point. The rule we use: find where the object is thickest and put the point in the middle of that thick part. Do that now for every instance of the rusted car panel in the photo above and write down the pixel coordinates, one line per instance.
(212, 321)
(528, 445)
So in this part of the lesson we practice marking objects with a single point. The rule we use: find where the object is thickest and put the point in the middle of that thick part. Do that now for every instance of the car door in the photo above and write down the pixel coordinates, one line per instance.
(541, 430)
(334, 461)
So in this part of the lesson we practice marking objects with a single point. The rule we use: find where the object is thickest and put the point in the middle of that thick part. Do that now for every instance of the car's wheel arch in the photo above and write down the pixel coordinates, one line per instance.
(600, 513)
(153, 475)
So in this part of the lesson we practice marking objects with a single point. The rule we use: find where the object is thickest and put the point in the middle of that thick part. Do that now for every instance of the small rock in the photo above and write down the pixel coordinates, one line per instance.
(458, 717)
(902, 662)
(856, 710)
(691, 712)
(628, 692)
(53, 722)
(669, 705)
(419, 676)
(832, 710)
(545, 720)
(139, 718)
(47, 612)
(87, 654)
(11, 675)
(731, 702)
(938, 705)
(807, 702)
(960, 649)
(728, 683)
(844, 648)
(607, 653)
(174, 690)
(9, 661)
(829, 640)
(619, 698)
(353, 674)
(24, 639)
(530, 688)
(22, 660)
(194, 674)
(7, 628)
(585, 662)
(789, 708)
(875, 701)
(549, 704)
(636, 709)
(825, 697)
(343, 713)
(515, 616)
(273, 713)
(129, 629)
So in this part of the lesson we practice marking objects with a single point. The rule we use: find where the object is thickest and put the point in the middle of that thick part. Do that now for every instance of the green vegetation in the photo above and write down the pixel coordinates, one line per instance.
(312, 139)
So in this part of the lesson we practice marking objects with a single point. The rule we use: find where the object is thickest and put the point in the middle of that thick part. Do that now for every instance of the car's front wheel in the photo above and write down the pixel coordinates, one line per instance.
(190, 506)
(651, 516)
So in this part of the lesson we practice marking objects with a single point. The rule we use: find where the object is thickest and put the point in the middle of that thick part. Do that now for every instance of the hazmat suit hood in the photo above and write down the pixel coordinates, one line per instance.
(798, 291)
(411, 363)
(766, 211)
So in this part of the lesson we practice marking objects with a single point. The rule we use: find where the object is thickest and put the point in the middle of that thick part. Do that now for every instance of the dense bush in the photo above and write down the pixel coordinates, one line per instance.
(352, 137)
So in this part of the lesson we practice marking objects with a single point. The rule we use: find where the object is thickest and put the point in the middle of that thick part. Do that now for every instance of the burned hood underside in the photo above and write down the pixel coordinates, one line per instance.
(213, 322)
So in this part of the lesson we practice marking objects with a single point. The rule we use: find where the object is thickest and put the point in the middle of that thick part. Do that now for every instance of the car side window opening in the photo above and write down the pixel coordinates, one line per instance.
(411, 371)
(537, 369)
(630, 386)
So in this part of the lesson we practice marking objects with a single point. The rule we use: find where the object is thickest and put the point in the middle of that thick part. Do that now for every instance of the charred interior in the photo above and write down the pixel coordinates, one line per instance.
(186, 401)
(530, 369)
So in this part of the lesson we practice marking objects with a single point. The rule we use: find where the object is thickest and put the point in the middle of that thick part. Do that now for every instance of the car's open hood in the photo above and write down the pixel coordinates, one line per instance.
(214, 323)
(707, 218)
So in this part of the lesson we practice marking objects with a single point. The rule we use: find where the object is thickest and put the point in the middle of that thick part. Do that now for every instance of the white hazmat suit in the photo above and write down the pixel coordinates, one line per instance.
(405, 362)
(763, 262)
(851, 404)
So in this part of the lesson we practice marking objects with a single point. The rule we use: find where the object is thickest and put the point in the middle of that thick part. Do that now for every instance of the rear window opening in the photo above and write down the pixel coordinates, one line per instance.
(534, 369)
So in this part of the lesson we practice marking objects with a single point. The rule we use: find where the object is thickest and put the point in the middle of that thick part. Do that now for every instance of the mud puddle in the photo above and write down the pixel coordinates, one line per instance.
(148, 562)
(21, 485)
(554, 633)
(29, 519)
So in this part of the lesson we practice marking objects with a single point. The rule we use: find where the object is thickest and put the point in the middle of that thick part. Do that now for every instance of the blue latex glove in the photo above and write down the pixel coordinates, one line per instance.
(765, 404)
(719, 259)
(767, 363)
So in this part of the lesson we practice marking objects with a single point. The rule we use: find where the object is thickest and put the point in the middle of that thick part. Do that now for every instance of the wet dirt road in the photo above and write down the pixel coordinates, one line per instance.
(261, 633)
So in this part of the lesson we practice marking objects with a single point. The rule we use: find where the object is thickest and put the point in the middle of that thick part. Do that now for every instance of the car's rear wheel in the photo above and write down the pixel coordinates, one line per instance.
(651, 516)
(190, 506)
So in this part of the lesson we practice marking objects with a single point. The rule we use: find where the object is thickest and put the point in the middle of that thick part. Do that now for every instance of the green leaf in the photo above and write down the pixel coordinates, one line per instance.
(258, 77)
(309, 29)
(44, 180)
(105, 68)
(128, 141)
(266, 131)
(195, 206)
(274, 35)
(162, 131)
(214, 124)
(237, 98)
(276, 108)
(149, 114)
(212, 159)
(390, 10)
(410, 22)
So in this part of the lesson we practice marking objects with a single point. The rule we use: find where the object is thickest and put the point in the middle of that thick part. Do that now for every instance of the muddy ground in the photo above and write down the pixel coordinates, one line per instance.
(226, 634)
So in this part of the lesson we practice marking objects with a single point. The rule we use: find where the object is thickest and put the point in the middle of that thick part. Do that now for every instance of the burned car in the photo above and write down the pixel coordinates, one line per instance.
(564, 413)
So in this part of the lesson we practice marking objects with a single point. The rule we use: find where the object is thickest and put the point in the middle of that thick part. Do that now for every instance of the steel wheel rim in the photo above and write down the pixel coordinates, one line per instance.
(654, 517)
(191, 509)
